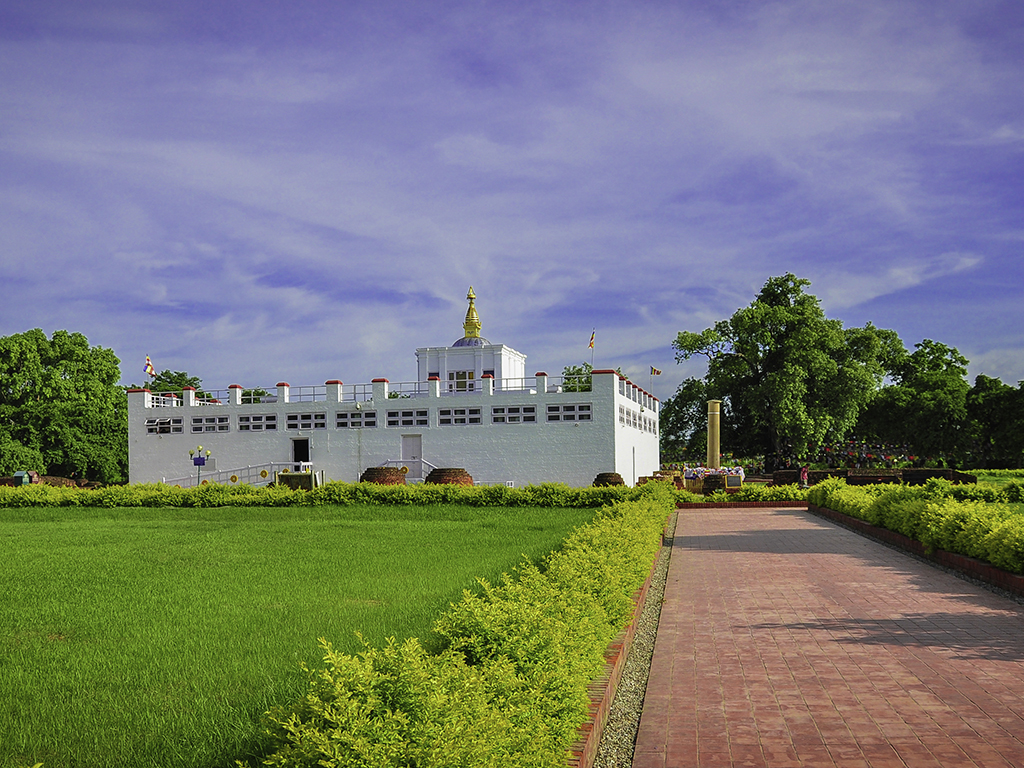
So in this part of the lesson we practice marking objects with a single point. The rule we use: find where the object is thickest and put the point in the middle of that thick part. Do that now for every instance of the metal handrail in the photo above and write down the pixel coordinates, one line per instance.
(254, 474)
(422, 463)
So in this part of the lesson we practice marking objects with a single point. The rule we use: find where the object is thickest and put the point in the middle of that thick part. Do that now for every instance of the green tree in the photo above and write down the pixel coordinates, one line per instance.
(995, 415)
(799, 378)
(925, 406)
(577, 378)
(59, 399)
(168, 381)
(14, 457)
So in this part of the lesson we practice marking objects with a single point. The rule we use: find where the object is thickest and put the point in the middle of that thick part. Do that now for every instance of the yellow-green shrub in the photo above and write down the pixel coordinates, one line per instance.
(934, 515)
(217, 495)
(508, 683)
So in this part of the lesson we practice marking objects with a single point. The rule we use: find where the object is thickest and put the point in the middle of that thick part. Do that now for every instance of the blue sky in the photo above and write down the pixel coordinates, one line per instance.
(264, 191)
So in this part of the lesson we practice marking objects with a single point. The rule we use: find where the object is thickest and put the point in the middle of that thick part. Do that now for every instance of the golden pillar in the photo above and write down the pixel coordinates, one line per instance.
(714, 434)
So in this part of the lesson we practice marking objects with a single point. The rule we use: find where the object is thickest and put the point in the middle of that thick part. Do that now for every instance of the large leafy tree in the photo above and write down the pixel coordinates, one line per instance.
(995, 414)
(798, 377)
(995, 417)
(61, 406)
(925, 406)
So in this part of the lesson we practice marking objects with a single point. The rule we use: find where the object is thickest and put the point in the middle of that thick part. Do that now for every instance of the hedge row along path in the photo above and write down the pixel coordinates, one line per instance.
(788, 641)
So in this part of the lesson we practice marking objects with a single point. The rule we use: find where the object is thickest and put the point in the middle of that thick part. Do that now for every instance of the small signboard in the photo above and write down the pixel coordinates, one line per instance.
(733, 481)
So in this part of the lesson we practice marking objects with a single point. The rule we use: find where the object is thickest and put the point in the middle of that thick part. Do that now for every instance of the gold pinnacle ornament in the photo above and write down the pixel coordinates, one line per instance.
(472, 325)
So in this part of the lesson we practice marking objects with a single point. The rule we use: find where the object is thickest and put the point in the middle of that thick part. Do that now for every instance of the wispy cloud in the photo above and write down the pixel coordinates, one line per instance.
(313, 190)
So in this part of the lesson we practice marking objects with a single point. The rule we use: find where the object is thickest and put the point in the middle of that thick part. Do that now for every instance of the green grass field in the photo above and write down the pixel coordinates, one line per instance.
(158, 637)
(997, 479)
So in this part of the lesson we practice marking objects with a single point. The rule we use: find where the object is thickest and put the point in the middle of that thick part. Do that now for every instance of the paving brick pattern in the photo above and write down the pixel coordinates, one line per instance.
(787, 641)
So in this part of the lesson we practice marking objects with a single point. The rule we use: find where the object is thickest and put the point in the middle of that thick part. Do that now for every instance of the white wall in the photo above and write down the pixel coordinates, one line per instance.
(572, 452)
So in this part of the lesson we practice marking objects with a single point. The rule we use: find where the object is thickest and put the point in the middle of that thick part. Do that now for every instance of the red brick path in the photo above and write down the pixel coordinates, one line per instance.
(786, 641)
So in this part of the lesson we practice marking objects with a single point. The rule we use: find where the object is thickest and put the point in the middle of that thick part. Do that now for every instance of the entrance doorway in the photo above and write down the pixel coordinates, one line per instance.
(300, 453)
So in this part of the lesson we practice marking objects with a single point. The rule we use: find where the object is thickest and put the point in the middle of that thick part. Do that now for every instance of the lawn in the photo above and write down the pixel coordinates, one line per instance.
(998, 479)
(159, 636)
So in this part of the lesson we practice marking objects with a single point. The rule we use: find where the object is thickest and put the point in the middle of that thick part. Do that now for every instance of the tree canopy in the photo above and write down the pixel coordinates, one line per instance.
(172, 381)
(795, 384)
(797, 377)
(925, 405)
(61, 407)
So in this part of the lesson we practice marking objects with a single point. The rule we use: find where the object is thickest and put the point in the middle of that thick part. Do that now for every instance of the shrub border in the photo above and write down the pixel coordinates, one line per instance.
(603, 688)
(968, 566)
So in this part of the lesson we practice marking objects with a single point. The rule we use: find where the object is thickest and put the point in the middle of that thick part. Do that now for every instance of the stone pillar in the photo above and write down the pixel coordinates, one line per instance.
(333, 390)
(380, 391)
(714, 433)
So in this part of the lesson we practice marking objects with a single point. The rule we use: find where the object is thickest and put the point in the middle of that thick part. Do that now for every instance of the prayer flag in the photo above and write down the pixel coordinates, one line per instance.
(655, 371)
(149, 367)
(592, 335)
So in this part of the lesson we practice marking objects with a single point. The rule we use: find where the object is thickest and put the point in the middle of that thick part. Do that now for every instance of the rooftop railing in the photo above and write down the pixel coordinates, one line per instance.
(356, 393)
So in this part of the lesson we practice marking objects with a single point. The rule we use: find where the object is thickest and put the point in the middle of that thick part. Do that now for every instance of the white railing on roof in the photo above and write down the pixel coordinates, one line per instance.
(259, 395)
(403, 389)
(528, 384)
(166, 400)
(356, 393)
(569, 383)
(406, 389)
(311, 394)
(214, 397)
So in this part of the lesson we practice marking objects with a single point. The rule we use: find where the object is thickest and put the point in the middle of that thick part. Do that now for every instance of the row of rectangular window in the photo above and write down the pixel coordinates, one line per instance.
(514, 414)
(630, 418)
(575, 412)
(635, 394)
(407, 419)
(510, 414)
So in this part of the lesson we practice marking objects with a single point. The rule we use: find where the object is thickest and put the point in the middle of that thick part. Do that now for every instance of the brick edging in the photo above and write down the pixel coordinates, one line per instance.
(602, 690)
(968, 566)
(730, 504)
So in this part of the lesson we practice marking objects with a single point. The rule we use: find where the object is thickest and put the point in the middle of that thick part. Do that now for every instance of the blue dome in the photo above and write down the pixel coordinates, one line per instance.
(472, 341)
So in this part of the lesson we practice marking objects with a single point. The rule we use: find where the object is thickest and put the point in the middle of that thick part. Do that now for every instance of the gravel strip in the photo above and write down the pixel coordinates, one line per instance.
(619, 736)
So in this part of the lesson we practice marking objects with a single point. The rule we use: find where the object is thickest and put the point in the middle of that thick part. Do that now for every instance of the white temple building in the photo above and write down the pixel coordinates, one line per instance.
(472, 406)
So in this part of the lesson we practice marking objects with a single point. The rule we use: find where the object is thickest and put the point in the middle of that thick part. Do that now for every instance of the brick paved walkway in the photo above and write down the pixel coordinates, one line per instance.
(786, 641)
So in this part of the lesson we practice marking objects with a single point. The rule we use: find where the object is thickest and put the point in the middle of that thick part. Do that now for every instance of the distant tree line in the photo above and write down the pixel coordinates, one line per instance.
(797, 386)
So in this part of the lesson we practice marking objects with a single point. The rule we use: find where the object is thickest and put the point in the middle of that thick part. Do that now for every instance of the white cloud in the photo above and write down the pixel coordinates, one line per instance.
(1006, 364)
(850, 288)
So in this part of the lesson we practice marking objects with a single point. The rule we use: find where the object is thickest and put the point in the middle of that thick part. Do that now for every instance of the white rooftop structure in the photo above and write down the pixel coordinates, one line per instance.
(472, 406)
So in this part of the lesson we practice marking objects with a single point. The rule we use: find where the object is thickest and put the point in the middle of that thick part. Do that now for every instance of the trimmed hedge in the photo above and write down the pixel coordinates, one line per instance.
(333, 493)
(506, 683)
(965, 519)
(758, 492)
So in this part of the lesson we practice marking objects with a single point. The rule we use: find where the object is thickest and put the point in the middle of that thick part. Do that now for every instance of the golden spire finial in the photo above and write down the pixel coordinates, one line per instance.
(472, 325)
